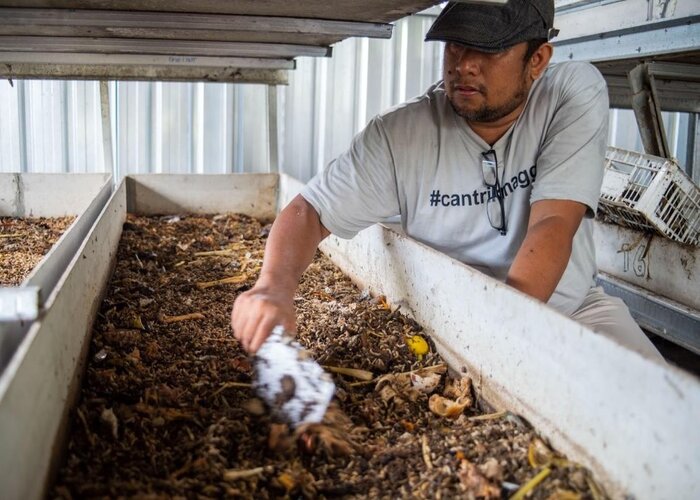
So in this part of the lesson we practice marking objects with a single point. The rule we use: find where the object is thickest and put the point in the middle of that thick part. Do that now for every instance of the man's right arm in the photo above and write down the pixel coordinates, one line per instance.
(290, 248)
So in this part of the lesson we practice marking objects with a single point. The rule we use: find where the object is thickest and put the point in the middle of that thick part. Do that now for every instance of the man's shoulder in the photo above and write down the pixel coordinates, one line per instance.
(576, 74)
(426, 109)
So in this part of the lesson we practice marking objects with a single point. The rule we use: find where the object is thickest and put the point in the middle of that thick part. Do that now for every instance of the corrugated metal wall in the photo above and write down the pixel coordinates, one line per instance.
(189, 127)
(329, 100)
(50, 126)
(55, 126)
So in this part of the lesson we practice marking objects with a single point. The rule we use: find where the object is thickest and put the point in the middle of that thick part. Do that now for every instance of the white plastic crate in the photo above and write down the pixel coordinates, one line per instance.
(650, 193)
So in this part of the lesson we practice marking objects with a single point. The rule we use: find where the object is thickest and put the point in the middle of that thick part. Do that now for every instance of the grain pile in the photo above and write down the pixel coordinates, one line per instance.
(166, 408)
(24, 242)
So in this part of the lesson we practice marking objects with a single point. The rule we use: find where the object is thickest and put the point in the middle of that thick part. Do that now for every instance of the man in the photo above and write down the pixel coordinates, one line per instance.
(499, 166)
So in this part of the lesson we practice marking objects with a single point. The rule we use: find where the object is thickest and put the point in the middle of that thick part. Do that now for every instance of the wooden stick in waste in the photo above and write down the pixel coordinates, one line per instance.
(488, 416)
(231, 280)
(184, 317)
(351, 372)
(228, 385)
(236, 474)
(215, 253)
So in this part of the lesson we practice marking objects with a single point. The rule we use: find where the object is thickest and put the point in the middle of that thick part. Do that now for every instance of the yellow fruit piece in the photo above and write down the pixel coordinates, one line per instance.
(418, 345)
(287, 481)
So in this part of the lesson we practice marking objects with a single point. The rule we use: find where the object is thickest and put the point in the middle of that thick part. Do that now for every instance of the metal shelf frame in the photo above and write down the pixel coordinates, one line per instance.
(659, 315)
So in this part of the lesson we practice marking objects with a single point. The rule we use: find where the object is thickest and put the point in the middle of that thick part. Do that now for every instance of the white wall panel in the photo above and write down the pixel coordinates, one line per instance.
(380, 77)
(83, 127)
(420, 70)
(217, 128)
(10, 127)
(252, 151)
(133, 104)
(298, 136)
(340, 113)
(45, 106)
(176, 129)
(364, 78)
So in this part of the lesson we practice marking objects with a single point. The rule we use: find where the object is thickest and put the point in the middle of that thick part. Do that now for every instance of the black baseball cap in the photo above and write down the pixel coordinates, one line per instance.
(493, 27)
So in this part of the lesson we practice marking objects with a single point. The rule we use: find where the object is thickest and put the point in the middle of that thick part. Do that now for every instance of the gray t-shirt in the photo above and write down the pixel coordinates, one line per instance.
(421, 160)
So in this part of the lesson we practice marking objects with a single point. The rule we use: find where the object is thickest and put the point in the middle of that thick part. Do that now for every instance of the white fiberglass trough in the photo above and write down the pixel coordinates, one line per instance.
(633, 421)
(658, 278)
(45, 195)
(651, 262)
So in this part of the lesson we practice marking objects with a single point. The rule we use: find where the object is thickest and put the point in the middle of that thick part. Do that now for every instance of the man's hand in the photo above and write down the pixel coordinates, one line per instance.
(257, 311)
(293, 240)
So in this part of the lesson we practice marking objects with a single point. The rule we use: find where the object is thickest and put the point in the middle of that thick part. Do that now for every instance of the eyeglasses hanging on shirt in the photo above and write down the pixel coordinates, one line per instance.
(495, 209)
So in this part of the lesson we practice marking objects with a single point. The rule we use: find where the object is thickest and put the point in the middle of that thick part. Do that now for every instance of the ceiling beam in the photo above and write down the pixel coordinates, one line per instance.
(658, 38)
(382, 11)
(143, 60)
(163, 47)
(91, 66)
(142, 72)
(15, 21)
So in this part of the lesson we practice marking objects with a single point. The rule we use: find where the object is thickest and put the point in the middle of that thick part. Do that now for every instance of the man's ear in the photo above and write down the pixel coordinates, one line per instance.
(539, 60)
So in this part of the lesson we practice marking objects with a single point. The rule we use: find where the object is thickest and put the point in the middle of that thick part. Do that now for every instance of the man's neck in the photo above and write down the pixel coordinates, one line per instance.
(491, 132)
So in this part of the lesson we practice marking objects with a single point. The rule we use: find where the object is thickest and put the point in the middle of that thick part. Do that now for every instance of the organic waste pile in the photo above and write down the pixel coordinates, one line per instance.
(167, 410)
(24, 242)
